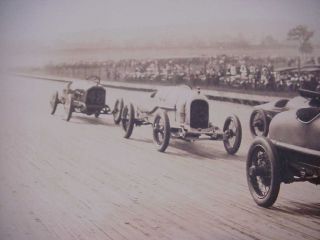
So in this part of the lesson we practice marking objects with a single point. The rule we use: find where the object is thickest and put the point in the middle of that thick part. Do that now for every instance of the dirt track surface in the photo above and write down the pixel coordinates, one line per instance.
(82, 180)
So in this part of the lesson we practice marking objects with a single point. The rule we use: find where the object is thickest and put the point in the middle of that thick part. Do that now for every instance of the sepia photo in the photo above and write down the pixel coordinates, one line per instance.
(149, 119)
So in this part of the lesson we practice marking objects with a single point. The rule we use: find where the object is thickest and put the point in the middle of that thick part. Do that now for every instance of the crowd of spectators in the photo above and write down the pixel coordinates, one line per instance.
(277, 73)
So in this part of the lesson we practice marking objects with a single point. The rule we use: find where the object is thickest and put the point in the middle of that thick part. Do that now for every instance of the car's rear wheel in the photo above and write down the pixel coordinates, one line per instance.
(54, 102)
(68, 106)
(161, 131)
(259, 125)
(232, 134)
(127, 120)
(263, 172)
(117, 110)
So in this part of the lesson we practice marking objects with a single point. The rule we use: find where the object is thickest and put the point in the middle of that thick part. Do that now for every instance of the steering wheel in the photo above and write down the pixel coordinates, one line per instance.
(94, 78)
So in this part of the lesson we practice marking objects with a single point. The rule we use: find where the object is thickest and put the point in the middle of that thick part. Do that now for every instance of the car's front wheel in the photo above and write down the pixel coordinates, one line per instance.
(232, 134)
(263, 172)
(127, 120)
(161, 131)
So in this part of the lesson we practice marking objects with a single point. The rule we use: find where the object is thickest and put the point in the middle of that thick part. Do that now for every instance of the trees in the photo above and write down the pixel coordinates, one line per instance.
(301, 34)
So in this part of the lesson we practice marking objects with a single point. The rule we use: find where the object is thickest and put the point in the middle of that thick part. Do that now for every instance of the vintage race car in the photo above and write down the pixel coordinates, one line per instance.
(182, 113)
(291, 153)
(84, 98)
(262, 114)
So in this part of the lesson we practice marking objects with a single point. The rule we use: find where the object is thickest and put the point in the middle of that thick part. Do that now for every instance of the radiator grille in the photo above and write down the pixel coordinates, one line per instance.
(199, 114)
(96, 96)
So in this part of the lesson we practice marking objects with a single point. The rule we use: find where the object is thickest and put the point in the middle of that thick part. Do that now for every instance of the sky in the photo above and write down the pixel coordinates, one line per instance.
(51, 21)
(52, 24)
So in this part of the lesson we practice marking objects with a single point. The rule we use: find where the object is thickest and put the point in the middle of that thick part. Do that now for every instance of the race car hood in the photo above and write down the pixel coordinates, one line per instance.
(297, 127)
(284, 104)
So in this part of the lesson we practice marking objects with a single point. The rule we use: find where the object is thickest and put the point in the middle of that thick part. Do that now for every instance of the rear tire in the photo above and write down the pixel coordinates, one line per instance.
(161, 131)
(233, 141)
(259, 125)
(117, 111)
(54, 102)
(127, 120)
(68, 106)
(263, 172)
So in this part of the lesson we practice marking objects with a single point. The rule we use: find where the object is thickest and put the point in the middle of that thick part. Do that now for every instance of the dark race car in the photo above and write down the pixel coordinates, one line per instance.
(262, 114)
(182, 113)
(291, 153)
(85, 98)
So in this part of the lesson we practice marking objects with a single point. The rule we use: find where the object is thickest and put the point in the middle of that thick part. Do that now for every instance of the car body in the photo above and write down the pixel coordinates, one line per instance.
(291, 153)
(262, 115)
(87, 97)
(180, 112)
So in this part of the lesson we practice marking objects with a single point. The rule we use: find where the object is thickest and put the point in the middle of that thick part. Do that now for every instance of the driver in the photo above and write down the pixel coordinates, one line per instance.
(67, 89)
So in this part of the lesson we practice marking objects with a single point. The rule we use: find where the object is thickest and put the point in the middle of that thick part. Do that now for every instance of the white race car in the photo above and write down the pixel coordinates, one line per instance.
(179, 112)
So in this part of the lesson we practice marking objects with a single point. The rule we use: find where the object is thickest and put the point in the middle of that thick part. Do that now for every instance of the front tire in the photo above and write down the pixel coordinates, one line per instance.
(127, 120)
(117, 111)
(232, 134)
(259, 125)
(54, 102)
(263, 172)
(161, 131)
(68, 106)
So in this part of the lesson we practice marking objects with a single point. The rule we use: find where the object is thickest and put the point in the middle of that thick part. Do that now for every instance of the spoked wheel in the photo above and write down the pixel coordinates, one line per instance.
(54, 102)
(161, 131)
(117, 110)
(232, 134)
(263, 172)
(127, 120)
(68, 106)
(259, 123)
